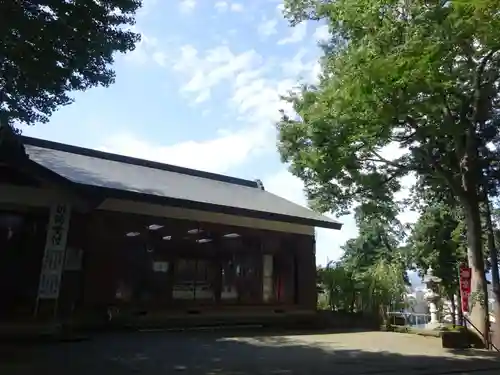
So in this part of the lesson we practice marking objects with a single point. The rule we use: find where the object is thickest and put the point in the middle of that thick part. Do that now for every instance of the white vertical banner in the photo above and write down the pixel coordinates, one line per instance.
(54, 255)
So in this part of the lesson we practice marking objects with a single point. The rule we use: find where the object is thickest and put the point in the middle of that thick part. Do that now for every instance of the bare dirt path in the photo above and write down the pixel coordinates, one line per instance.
(204, 353)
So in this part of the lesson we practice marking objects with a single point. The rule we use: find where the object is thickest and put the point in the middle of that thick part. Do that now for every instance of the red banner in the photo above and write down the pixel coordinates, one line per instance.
(465, 286)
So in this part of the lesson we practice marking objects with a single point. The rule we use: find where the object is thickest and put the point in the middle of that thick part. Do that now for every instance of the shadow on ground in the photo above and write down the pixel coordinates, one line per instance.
(224, 354)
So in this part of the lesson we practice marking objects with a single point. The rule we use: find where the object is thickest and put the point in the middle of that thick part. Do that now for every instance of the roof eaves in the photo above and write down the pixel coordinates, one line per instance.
(37, 142)
(210, 207)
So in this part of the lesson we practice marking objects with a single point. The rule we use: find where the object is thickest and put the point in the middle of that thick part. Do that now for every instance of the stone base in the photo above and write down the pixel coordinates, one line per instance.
(455, 340)
(433, 326)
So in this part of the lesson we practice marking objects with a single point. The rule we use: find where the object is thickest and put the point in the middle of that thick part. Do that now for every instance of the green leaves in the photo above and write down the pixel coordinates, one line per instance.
(420, 77)
(48, 50)
(380, 286)
(405, 76)
(372, 272)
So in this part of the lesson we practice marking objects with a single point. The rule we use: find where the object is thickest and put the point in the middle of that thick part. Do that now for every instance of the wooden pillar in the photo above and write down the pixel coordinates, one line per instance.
(306, 272)
(71, 284)
(287, 275)
(98, 266)
(270, 245)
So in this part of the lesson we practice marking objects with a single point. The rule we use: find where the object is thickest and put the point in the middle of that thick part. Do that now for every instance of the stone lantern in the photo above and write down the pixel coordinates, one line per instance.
(432, 297)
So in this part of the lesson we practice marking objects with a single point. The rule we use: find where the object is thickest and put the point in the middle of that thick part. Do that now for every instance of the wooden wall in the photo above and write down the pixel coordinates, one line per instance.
(110, 256)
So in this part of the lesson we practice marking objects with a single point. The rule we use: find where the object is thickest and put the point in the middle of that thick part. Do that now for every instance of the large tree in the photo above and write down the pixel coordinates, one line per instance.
(422, 76)
(438, 239)
(51, 47)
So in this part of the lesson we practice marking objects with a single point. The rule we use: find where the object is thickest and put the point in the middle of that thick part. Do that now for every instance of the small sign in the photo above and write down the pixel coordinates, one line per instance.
(160, 266)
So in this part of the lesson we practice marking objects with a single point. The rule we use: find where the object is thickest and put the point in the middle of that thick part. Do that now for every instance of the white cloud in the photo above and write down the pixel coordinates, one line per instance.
(301, 67)
(315, 72)
(407, 216)
(280, 8)
(143, 50)
(221, 6)
(296, 65)
(392, 152)
(218, 155)
(203, 96)
(267, 27)
(259, 99)
(146, 8)
(237, 7)
(253, 83)
(187, 6)
(160, 58)
(297, 34)
(204, 72)
(321, 34)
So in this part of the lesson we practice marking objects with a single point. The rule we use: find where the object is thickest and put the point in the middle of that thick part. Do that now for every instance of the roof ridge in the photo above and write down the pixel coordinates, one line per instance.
(43, 143)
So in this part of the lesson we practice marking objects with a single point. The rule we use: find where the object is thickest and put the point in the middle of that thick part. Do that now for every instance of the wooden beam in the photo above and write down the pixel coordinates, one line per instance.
(205, 217)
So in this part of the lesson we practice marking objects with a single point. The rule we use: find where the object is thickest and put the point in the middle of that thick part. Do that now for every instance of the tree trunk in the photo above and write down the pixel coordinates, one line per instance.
(479, 307)
(472, 177)
(353, 302)
(495, 279)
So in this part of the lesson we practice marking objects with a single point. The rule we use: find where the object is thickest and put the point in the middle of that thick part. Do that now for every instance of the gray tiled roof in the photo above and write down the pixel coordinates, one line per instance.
(98, 169)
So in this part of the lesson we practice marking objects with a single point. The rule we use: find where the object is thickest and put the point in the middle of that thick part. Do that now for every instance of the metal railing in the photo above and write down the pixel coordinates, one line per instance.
(489, 344)
(416, 320)
(411, 319)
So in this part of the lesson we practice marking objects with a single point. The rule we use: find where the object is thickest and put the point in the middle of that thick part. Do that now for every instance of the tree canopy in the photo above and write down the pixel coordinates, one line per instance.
(406, 88)
(52, 47)
(371, 275)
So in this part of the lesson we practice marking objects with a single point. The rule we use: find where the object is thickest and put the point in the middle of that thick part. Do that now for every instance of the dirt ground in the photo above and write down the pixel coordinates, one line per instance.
(217, 353)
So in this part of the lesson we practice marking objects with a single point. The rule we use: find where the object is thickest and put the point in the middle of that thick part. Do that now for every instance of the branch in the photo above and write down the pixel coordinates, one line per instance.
(468, 52)
(403, 138)
(447, 175)
(411, 121)
(482, 65)
(385, 243)
(447, 109)
(388, 162)
(364, 189)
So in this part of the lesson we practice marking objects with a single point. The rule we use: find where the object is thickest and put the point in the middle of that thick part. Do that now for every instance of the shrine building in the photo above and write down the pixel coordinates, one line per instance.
(83, 231)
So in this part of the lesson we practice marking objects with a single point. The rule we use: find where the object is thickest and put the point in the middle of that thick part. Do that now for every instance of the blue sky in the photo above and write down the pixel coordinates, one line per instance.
(202, 90)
